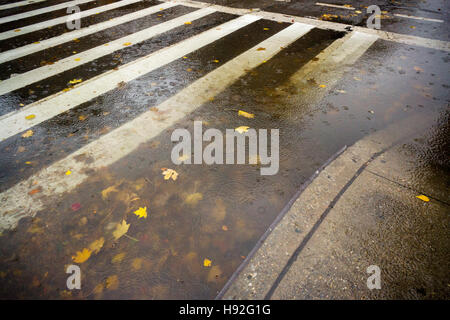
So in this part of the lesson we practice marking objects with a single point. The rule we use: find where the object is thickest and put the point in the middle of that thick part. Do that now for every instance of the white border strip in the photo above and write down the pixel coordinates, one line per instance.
(280, 17)
(68, 36)
(417, 18)
(16, 122)
(42, 10)
(333, 6)
(104, 49)
(111, 147)
(19, 4)
(53, 22)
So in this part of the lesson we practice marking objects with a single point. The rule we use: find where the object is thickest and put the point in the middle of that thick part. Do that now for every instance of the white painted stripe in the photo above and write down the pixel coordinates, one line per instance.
(281, 17)
(417, 18)
(17, 203)
(19, 4)
(64, 19)
(42, 10)
(15, 122)
(68, 63)
(68, 36)
(334, 6)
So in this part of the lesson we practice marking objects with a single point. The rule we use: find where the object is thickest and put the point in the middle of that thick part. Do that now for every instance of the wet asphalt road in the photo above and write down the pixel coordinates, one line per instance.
(213, 212)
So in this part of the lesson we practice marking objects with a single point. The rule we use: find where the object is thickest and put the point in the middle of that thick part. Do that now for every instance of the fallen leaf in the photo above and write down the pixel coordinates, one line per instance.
(137, 263)
(266, 29)
(68, 173)
(207, 263)
(77, 59)
(246, 114)
(118, 257)
(17, 30)
(121, 229)
(423, 198)
(169, 173)
(260, 49)
(31, 116)
(127, 43)
(188, 22)
(216, 61)
(96, 245)
(112, 282)
(76, 206)
(75, 81)
(418, 69)
(28, 134)
(188, 69)
(322, 86)
(412, 27)
(107, 191)
(141, 212)
(193, 198)
(82, 256)
(34, 191)
(242, 129)
(224, 228)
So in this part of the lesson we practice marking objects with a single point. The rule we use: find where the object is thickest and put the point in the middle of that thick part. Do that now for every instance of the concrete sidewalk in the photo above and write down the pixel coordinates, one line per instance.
(362, 210)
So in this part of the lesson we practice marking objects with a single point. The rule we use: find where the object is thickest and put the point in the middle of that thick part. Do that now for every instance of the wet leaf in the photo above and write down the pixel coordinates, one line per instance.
(82, 256)
(141, 212)
(169, 173)
(137, 264)
(423, 198)
(112, 282)
(68, 173)
(188, 22)
(265, 29)
(216, 61)
(322, 86)
(260, 49)
(193, 198)
(207, 263)
(224, 228)
(127, 43)
(96, 245)
(107, 191)
(75, 81)
(31, 116)
(27, 134)
(17, 30)
(242, 129)
(246, 114)
(76, 206)
(121, 229)
(118, 257)
(77, 59)
(34, 191)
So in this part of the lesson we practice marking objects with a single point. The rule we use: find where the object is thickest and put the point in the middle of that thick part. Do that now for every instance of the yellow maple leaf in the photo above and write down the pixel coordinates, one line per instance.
(141, 212)
(31, 116)
(127, 43)
(75, 81)
(246, 114)
(423, 198)
(28, 134)
(322, 86)
(77, 59)
(188, 22)
(169, 173)
(121, 229)
(68, 173)
(242, 129)
(207, 263)
(118, 257)
(82, 256)
(96, 245)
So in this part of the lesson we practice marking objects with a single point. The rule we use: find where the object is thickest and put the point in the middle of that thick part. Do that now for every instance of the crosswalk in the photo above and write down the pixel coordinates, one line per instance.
(112, 146)
(78, 104)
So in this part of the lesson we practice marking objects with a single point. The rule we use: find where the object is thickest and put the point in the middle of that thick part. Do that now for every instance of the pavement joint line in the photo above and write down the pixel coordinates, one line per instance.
(273, 225)
(334, 6)
(69, 36)
(417, 18)
(16, 203)
(53, 22)
(321, 24)
(407, 187)
(44, 72)
(36, 12)
(19, 4)
(318, 222)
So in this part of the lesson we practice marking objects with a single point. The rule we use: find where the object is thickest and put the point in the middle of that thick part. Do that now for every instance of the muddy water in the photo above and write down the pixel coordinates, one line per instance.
(215, 212)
